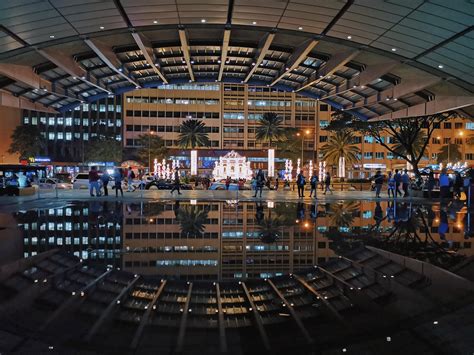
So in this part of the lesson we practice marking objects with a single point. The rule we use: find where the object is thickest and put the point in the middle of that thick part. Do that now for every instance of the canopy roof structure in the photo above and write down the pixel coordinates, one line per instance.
(375, 59)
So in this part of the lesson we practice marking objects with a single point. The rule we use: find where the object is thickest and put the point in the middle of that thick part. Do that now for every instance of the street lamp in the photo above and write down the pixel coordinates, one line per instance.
(302, 134)
(149, 151)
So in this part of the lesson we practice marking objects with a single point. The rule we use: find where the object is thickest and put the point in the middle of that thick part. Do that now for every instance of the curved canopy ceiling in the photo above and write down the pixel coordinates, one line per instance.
(375, 59)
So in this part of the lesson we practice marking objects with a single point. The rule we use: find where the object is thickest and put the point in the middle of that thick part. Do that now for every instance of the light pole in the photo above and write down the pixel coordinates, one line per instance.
(461, 133)
(149, 151)
(306, 132)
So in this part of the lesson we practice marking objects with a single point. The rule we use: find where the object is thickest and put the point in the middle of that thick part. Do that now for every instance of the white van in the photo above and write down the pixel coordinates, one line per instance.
(80, 181)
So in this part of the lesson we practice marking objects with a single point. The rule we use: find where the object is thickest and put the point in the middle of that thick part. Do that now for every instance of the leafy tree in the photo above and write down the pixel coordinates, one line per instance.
(151, 147)
(270, 128)
(193, 134)
(449, 153)
(103, 149)
(26, 141)
(404, 131)
(340, 149)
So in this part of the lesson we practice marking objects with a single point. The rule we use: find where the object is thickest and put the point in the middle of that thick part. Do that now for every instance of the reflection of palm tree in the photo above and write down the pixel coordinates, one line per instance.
(342, 213)
(192, 220)
(269, 229)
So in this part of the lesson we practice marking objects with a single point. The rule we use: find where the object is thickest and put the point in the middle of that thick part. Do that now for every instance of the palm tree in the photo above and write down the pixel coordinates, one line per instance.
(270, 128)
(193, 134)
(340, 149)
(449, 152)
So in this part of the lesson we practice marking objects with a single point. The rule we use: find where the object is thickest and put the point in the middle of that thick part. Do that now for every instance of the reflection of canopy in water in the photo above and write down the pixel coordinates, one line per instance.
(234, 165)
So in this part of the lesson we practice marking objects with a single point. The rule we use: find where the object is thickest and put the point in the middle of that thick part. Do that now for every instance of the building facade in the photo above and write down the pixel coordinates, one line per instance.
(231, 113)
(68, 134)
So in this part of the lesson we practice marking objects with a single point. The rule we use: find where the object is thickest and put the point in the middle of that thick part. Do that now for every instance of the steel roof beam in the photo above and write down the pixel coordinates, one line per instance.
(146, 316)
(221, 321)
(185, 49)
(366, 77)
(262, 49)
(225, 49)
(147, 49)
(9, 100)
(70, 66)
(184, 319)
(409, 85)
(438, 105)
(258, 318)
(298, 56)
(336, 62)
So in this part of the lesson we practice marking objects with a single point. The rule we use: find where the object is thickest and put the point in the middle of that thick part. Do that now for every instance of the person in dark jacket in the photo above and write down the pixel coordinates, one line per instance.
(398, 182)
(105, 178)
(314, 185)
(176, 185)
(260, 179)
(327, 183)
(430, 183)
(300, 181)
(378, 180)
(405, 183)
(118, 182)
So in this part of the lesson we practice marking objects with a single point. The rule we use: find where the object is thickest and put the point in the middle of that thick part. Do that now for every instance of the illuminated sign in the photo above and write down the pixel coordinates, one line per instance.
(375, 166)
(39, 160)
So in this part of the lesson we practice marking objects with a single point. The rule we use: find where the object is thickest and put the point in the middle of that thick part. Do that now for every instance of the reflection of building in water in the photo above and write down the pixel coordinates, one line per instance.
(91, 231)
(159, 244)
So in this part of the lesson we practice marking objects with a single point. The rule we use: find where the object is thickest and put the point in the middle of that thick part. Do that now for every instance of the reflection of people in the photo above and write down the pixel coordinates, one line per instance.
(390, 211)
(300, 211)
(444, 184)
(378, 214)
(259, 212)
(443, 227)
(176, 208)
(314, 211)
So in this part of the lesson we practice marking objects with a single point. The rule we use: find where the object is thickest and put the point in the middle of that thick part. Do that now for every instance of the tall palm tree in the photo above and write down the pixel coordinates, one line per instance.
(449, 152)
(340, 149)
(270, 128)
(193, 134)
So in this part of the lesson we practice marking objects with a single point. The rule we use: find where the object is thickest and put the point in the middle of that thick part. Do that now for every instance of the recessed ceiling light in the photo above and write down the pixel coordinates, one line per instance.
(203, 20)
(52, 36)
(440, 66)
(394, 49)
(155, 22)
(83, 77)
(219, 61)
(192, 62)
(254, 22)
(74, 77)
(120, 69)
(137, 87)
(349, 37)
(101, 27)
(300, 28)
(253, 64)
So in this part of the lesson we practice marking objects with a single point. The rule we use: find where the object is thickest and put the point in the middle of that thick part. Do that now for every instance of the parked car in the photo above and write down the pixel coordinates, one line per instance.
(52, 183)
(80, 181)
(165, 185)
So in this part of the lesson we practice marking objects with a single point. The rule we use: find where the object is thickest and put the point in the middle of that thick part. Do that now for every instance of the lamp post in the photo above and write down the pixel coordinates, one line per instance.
(149, 151)
(302, 135)
(461, 133)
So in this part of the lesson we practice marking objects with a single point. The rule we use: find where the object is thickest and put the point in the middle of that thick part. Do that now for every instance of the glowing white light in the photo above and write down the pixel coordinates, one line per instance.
(233, 165)
(194, 162)
(193, 202)
(310, 173)
(271, 162)
(270, 204)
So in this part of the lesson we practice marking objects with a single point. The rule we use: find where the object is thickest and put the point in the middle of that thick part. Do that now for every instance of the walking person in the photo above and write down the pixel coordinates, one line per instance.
(398, 181)
(391, 185)
(130, 177)
(176, 185)
(378, 180)
(227, 183)
(105, 178)
(327, 183)
(314, 185)
(260, 182)
(444, 184)
(430, 183)
(300, 181)
(276, 184)
(405, 183)
(118, 182)
(94, 181)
